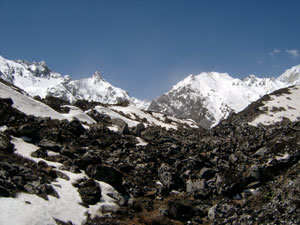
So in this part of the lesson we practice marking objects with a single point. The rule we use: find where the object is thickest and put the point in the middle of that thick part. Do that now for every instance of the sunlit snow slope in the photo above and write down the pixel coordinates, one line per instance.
(38, 80)
(209, 97)
(283, 105)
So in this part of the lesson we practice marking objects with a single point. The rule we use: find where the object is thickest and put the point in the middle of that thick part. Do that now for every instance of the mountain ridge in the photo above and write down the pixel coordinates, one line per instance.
(38, 79)
(206, 98)
(211, 96)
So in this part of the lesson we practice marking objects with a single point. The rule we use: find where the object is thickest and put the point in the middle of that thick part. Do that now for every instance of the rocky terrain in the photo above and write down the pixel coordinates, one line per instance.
(90, 163)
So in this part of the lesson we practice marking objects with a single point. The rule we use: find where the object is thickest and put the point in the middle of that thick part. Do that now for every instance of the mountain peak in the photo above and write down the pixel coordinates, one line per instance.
(37, 79)
(291, 76)
(97, 76)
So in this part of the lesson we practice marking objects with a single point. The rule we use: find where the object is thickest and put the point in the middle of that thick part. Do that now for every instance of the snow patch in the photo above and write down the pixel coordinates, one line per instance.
(280, 107)
(28, 209)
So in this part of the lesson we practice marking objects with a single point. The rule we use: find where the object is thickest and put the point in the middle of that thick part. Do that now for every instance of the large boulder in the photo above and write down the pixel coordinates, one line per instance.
(5, 144)
(89, 191)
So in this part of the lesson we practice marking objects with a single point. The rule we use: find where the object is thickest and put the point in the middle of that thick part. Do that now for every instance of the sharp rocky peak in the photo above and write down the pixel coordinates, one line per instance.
(97, 76)
(38, 79)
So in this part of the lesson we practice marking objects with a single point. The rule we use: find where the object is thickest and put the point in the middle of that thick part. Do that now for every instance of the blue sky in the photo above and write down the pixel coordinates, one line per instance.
(146, 46)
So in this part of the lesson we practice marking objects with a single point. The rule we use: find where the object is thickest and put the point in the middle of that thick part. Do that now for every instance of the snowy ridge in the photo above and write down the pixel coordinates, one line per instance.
(133, 115)
(209, 97)
(285, 105)
(38, 80)
(34, 78)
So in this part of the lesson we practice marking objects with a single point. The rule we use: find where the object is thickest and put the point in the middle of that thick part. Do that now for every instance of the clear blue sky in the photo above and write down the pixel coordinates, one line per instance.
(146, 46)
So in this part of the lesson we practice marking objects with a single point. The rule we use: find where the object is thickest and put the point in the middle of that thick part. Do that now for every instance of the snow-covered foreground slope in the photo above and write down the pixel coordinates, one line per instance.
(32, 209)
(285, 105)
(38, 80)
(209, 97)
(28, 105)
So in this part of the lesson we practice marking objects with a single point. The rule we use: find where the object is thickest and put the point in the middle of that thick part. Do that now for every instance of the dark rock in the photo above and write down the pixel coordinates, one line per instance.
(122, 126)
(124, 129)
(27, 130)
(50, 145)
(108, 175)
(7, 101)
(169, 177)
(89, 158)
(5, 144)
(77, 127)
(179, 209)
(137, 130)
(40, 153)
(206, 173)
(89, 191)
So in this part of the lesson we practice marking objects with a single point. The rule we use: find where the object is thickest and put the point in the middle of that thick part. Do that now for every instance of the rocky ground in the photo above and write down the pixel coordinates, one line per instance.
(231, 174)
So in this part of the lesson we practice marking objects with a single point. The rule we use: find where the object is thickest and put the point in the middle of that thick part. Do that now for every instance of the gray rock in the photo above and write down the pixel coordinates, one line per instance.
(169, 177)
(137, 130)
(5, 144)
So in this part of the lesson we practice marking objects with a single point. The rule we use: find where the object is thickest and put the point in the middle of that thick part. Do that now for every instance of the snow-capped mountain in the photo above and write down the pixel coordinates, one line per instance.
(34, 78)
(38, 80)
(209, 97)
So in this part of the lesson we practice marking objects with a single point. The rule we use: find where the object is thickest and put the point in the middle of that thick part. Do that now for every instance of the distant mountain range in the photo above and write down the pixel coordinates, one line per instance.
(38, 80)
(206, 98)
(209, 97)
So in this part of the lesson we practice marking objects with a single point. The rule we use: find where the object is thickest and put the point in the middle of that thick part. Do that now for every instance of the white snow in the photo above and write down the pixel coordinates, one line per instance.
(28, 105)
(97, 89)
(113, 115)
(76, 112)
(23, 76)
(38, 80)
(3, 128)
(141, 142)
(27, 209)
(134, 115)
(221, 93)
(279, 107)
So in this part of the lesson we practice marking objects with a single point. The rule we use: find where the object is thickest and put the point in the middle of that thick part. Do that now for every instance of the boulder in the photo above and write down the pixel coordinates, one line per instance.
(5, 144)
(137, 130)
(108, 175)
(198, 188)
(89, 191)
(50, 145)
(169, 177)
(180, 209)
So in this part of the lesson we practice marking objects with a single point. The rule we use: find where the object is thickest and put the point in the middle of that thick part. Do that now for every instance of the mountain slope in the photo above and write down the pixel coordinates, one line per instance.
(60, 172)
(209, 97)
(275, 107)
(38, 80)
